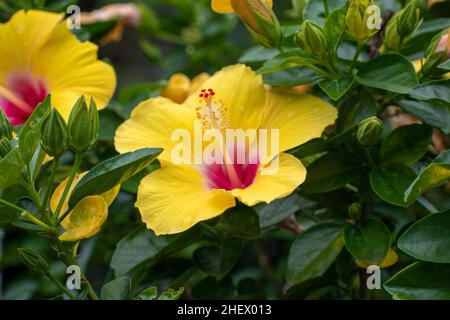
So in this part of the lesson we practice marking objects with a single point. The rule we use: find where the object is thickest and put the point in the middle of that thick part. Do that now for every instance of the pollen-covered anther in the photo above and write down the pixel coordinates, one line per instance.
(211, 111)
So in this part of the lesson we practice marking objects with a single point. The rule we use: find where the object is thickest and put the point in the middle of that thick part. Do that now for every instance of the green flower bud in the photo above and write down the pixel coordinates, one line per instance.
(6, 128)
(356, 20)
(391, 37)
(5, 146)
(34, 261)
(408, 20)
(354, 211)
(54, 139)
(312, 39)
(260, 20)
(84, 126)
(369, 131)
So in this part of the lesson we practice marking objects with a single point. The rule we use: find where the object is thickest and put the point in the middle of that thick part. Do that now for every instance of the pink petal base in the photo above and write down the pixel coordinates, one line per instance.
(21, 96)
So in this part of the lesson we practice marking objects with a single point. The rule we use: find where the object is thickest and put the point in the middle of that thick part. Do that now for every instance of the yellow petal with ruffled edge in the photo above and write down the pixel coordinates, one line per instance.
(152, 124)
(266, 188)
(71, 69)
(22, 37)
(108, 196)
(174, 198)
(224, 6)
(298, 117)
(390, 259)
(85, 220)
(241, 92)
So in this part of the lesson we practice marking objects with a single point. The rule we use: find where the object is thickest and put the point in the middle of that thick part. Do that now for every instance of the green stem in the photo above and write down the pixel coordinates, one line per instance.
(72, 261)
(28, 216)
(60, 286)
(50, 182)
(170, 37)
(73, 172)
(326, 8)
(359, 48)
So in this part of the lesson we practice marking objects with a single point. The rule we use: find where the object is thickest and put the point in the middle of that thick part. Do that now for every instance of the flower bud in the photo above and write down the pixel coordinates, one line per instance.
(5, 146)
(6, 128)
(444, 45)
(408, 20)
(312, 39)
(84, 126)
(354, 211)
(369, 131)
(356, 20)
(54, 138)
(34, 261)
(260, 20)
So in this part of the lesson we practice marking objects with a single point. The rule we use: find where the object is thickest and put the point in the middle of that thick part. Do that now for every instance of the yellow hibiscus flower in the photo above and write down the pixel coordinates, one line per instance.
(39, 55)
(177, 196)
(226, 6)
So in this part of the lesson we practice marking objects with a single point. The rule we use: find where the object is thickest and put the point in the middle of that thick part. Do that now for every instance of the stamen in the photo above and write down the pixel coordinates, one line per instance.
(211, 111)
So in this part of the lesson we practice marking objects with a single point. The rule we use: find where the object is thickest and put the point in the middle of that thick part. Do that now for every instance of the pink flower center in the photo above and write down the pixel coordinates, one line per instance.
(230, 176)
(238, 167)
(20, 96)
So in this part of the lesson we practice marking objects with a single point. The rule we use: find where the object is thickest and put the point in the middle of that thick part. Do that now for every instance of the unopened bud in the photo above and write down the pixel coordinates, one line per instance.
(408, 20)
(369, 131)
(312, 39)
(54, 139)
(260, 20)
(444, 45)
(354, 211)
(6, 128)
(356, 20)
(34, 261)
(84, 126)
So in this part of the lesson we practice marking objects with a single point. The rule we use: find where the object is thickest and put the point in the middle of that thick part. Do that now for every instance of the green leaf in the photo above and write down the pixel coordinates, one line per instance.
(278, 210)
(397, 217)
(432, 176)
(30, 135)
(391, 72)
(438, 91)
(358, 107)
(286, 60)
(112, 172)
(148, 294)
(242, 222)
(138, 247)
(314, 10)
(257, 54)
(292, 77)
(211, 289)
(390, 183)
(118, 289)
(429, 112)
(421, 281)
(10, 168)
(334, 27)
(314, 251)
(171, 294)
(428, 239)
(368, 241)
(335, 89)
(445, 65)
(406, 144)
(218, 261)
(332, 171)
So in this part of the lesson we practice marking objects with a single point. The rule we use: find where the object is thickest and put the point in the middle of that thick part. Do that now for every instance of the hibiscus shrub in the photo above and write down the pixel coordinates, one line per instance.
(99, 199)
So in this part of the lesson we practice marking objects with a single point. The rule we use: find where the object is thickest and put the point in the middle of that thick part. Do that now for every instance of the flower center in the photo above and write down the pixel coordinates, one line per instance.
(211, 111)
(238, 169)
(20, 96)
